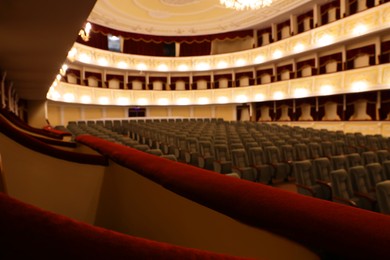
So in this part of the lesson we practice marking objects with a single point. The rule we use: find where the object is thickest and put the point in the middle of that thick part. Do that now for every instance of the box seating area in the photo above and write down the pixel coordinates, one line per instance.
(260, 152)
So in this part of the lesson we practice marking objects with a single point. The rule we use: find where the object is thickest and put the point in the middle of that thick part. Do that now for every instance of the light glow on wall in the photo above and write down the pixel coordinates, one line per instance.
(359, 86)
(162, 67)
(182, 67)
(259, 97)
(123, 101)
(104, 100)
(301, 92)
(183, 101)
(202, 66)
(359, 29)
(241, 98)
(278, 95)
(240, 62)
(259, 59)
(277, 54)
(299, 47)
(222, 64)
(85, 99)
(222, 100)
(326, 90)
(203, 101)
(142, 102)
(325, 40)
(85, 58)
(122, 65)
(163, 101)
(142, 66)
(69, 97)
(102, 62)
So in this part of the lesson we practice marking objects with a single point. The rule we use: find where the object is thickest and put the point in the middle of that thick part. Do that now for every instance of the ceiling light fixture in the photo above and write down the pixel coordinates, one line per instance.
(240, 5)
(84, 32)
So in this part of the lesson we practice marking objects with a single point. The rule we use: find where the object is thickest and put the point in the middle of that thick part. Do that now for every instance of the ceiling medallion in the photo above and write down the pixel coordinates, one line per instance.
(240, 5)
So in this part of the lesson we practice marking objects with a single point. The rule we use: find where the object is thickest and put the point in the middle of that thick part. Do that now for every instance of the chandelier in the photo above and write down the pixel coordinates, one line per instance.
(245, 4)
(84, 32)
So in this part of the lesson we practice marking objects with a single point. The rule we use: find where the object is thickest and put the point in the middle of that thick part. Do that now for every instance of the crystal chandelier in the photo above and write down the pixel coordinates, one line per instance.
(245, 4)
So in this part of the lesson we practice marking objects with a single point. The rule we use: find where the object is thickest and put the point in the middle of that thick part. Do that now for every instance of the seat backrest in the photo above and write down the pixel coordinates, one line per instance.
(338, 147)
(359, 179)
(287, 153)
(240, 158)
(315, 150)
(383, 196)
(301, 152)
(338, 162)
(221, 152)
(272, 154)
(369, 157)
(322, 169)
(383, 155)
(327, 149)
(256, 156)
(375, 173)
(206, 149)
(192, 144)
(304, 173)
(341, 184)
(353, 159)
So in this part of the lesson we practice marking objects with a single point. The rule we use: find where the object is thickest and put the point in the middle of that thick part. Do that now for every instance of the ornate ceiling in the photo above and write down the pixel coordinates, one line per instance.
(185, 17)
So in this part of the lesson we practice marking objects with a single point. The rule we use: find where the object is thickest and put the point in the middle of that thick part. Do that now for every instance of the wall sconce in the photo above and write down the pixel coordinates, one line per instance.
(84, 33)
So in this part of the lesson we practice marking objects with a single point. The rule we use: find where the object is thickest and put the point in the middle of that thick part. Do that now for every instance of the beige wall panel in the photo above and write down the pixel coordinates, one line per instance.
(92, 112)
(202, 111)
(115, 112)
(181, 111)
(157, 111)
(71, 113)
(227, 112)
(54, 114)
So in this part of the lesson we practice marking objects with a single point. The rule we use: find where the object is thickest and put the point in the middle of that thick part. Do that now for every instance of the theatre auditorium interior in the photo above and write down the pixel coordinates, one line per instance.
(194, 129)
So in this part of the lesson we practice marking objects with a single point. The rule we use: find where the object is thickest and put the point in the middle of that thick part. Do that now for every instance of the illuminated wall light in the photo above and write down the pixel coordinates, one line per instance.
(259, 97)
(301, 92)
(58, 77)
(183, 101)
(123, 101)
(162, 67)
(241, 98)
(299, 47)
(277, 54)
(85, 99)
(63, 69)
(359, 86)
(278, 95)
(359, 29)
(240, 62)
(222, 64)
(163, 101)
(53, 94)
(203, 101)
(69, 97)
(142, 66)
(182, 67)
(325, 40)
(202, 66)
(142, 101)
(222, 100)
(122, 65)
(326, 90)
(103, 62)
(259, 59)
(55, 84)
(85, 58)
(72, 54)
(104, 100)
